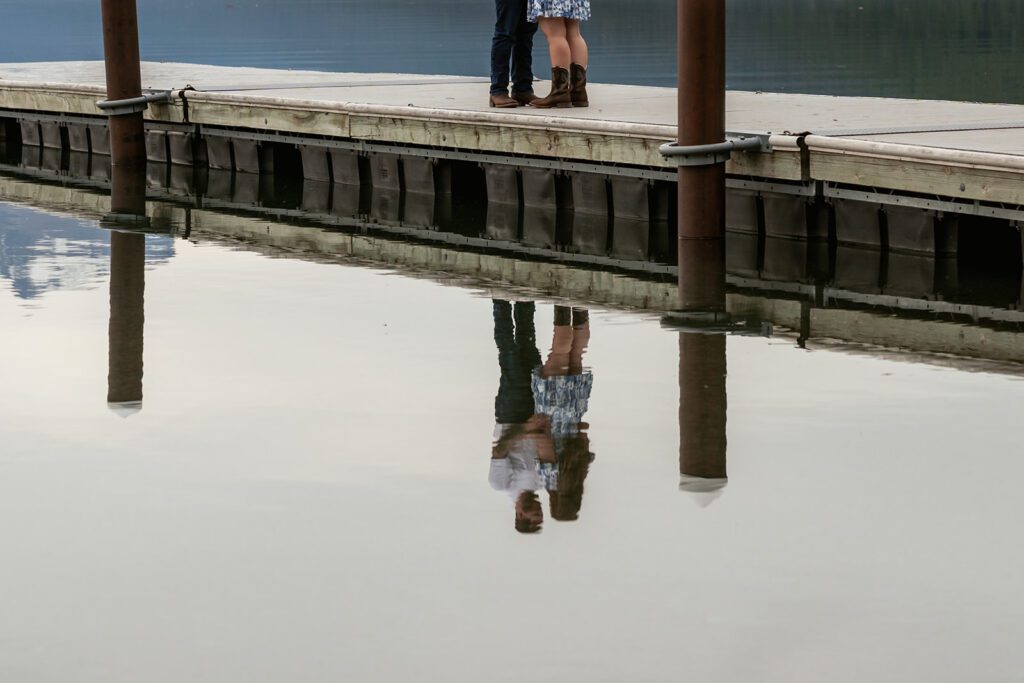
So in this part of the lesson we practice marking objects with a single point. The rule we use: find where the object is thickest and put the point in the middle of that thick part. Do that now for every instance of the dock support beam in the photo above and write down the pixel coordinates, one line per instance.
(127, 200)
(701, 92)
(127, 131)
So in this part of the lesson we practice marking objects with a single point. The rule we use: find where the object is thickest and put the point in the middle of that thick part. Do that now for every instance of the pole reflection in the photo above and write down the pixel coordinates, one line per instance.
(702, 414)
(127, 278)
(127, 319)
(703, 400)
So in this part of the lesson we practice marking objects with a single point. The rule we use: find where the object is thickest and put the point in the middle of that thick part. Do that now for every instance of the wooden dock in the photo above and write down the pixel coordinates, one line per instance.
(899, 176)
(950, 150)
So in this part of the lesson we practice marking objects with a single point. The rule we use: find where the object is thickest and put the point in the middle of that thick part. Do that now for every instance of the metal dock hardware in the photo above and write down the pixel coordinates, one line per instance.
(718, 153)
(133, 105)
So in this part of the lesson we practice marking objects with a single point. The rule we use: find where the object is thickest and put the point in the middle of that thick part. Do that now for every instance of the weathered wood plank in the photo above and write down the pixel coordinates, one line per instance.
(927, 178)
(272, 119)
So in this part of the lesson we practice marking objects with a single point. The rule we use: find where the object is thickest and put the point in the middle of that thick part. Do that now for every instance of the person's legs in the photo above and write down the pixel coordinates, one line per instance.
(561, 344)
(504, 332)
(558, 47)
(580, 339)
(505, 24)
(522, 53)
(579, 53)
(517, 357)
(526, 336)
(578, 68)
(502, 44)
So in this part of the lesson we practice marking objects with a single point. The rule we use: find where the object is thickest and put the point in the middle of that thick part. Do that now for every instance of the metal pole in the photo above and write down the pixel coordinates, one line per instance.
(702, 275)
(701, 91)
(127, 131)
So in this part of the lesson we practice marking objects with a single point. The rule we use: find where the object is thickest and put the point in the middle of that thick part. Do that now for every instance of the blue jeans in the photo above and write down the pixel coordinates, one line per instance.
(513, 44)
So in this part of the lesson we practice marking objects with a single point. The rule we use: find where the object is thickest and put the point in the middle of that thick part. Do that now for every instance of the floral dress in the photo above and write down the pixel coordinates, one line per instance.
(568, 9)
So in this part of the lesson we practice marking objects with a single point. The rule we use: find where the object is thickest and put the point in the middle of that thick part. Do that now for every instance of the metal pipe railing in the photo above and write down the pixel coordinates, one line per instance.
(716, 153)
(133, 105)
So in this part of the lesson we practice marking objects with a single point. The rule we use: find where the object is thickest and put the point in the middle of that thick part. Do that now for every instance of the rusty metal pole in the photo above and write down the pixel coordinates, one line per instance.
(702, 356)
(701, 92)
(127, 200)
(127, 131)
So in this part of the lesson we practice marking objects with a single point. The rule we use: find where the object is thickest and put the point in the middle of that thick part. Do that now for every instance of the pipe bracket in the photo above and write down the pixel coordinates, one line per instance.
(133, 105)
(716, 153)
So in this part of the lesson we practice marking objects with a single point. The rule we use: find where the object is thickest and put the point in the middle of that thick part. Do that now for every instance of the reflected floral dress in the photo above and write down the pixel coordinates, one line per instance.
(567, 9)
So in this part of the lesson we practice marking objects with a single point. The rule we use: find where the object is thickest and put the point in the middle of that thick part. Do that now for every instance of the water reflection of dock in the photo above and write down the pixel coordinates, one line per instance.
(814, 305)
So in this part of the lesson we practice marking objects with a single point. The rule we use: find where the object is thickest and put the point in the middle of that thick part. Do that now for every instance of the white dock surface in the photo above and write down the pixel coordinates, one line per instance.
(993, 128)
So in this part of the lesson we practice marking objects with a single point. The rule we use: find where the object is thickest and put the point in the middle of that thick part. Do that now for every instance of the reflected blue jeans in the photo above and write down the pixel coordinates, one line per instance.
(512, 45)
(516, 339)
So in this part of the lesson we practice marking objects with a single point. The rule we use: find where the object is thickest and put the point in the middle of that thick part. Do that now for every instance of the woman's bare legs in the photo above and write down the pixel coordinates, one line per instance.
(578, 50)
(561, 351)
(561, 55)
(569, 343)
(580, 340)
(554, 29)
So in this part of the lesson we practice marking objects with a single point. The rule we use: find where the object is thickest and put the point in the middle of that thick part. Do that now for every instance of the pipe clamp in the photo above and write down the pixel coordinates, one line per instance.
(133, 105)
(716, 153)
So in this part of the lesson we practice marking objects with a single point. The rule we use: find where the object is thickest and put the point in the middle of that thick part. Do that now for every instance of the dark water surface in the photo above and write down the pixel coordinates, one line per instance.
(931, 49)
(308, 492)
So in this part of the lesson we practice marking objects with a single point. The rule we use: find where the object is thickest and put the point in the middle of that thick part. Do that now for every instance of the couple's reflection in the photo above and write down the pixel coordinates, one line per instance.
(540, 438)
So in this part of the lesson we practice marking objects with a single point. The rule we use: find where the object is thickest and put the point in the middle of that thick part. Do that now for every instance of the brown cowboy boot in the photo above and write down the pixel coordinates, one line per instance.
(578, 85)
(503, 101)
(559, 95)
(524, 98)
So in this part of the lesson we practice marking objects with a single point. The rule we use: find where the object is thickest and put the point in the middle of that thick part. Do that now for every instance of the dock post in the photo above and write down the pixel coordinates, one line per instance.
(701, 93)
(127, 201)
(127, 131)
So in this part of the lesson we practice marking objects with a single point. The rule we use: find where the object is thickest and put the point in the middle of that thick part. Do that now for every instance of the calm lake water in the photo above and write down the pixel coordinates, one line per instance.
(227, 461)
(933, 49)
(309, 491)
